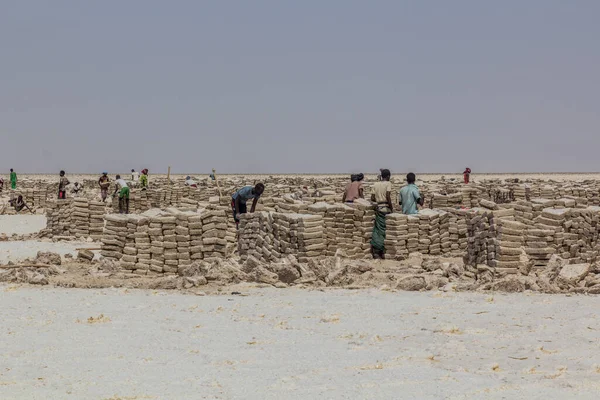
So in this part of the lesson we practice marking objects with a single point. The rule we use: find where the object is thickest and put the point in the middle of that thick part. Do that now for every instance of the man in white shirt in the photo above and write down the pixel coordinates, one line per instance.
(190, 182)
(135, 176)
(123, 189)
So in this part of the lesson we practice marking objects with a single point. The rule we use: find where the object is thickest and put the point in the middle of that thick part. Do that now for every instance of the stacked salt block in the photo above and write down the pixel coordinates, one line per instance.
(231, 229)
(501, 195)
(439, 200)
(256, 237)
(470, 196)
(50, 219)
(142, 247)
(347, 231)
(445, 245)
(545, 236)
(334, 228)
(184, 238)
(548, 192)
(456, 224)
(364, 220)
(520, 192)
(157, 244)
(299, 234)
(188, 203)
(412, 243)
(429, 232)
(565, 203)
(523, 212)
(214, 231)
(490, 205)
(129, 260)
(396, 236)
(580, 236)
(479, 232)
(80, 217)
(65, 210)
(291, 206)
(249, 232)
(195, 230)
(169, 245)
(97, 211)
(114, 236)
(538, 205)
(504, 244)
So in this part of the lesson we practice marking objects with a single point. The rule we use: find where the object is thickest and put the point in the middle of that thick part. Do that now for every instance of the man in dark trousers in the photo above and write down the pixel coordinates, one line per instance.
(239, 199)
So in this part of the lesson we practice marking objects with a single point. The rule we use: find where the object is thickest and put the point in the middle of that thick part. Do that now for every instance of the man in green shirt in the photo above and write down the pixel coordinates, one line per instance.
(13, 179)
(410, 196)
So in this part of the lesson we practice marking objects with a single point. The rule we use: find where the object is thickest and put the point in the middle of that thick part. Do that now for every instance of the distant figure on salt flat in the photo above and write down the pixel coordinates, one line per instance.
(239, 199)
(62, 186)
(104, 183)
(467, 174)
(190, 182)
(354, 189)
(135, 176)
(13, 179)
(410, 196)
(123, 189)
(382, 195)
(144, 179)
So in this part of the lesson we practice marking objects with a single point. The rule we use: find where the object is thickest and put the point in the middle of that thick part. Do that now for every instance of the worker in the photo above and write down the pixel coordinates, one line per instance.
(104, 183)
(135, 176)
(19, 203)
(76, 188)
(123, 189)
(190, 182)
(13, 179)
(239, 199)
(410, 196)
(354, 189)
(467, 174)
(382, 197)
(144, 179)
(1, 184)
(62, 186)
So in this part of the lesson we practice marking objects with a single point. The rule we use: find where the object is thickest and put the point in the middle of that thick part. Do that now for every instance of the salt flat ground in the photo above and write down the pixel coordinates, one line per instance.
(25, 224)
(22, 224)
(296, 344)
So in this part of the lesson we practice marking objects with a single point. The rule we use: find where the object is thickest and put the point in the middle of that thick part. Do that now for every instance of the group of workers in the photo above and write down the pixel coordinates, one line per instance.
(409, 199)
(122, 187)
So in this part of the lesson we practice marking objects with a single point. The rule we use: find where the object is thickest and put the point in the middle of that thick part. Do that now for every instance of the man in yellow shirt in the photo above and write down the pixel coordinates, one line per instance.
(382, 195)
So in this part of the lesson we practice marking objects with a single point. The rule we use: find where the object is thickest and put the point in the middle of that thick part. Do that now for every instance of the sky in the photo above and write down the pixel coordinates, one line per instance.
(311, 86)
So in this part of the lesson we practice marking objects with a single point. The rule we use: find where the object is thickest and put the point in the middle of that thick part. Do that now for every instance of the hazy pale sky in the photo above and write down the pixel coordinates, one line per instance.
(300, 86)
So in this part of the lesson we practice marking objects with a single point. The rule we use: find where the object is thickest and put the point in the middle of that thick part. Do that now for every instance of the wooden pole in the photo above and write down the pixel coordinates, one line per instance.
(217, 180)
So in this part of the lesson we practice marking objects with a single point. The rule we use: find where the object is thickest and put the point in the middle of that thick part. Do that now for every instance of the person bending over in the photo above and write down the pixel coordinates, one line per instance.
(239, 199)
(123, 189)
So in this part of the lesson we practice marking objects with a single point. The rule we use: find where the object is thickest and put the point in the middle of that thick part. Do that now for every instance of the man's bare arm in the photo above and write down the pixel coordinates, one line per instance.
(254, 204)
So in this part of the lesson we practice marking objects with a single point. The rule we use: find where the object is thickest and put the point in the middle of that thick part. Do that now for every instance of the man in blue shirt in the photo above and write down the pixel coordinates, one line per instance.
(239, 199)
(410, 196)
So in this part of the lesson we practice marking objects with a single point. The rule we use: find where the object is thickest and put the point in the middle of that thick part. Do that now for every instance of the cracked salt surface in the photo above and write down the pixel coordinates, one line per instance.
(297, 344)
